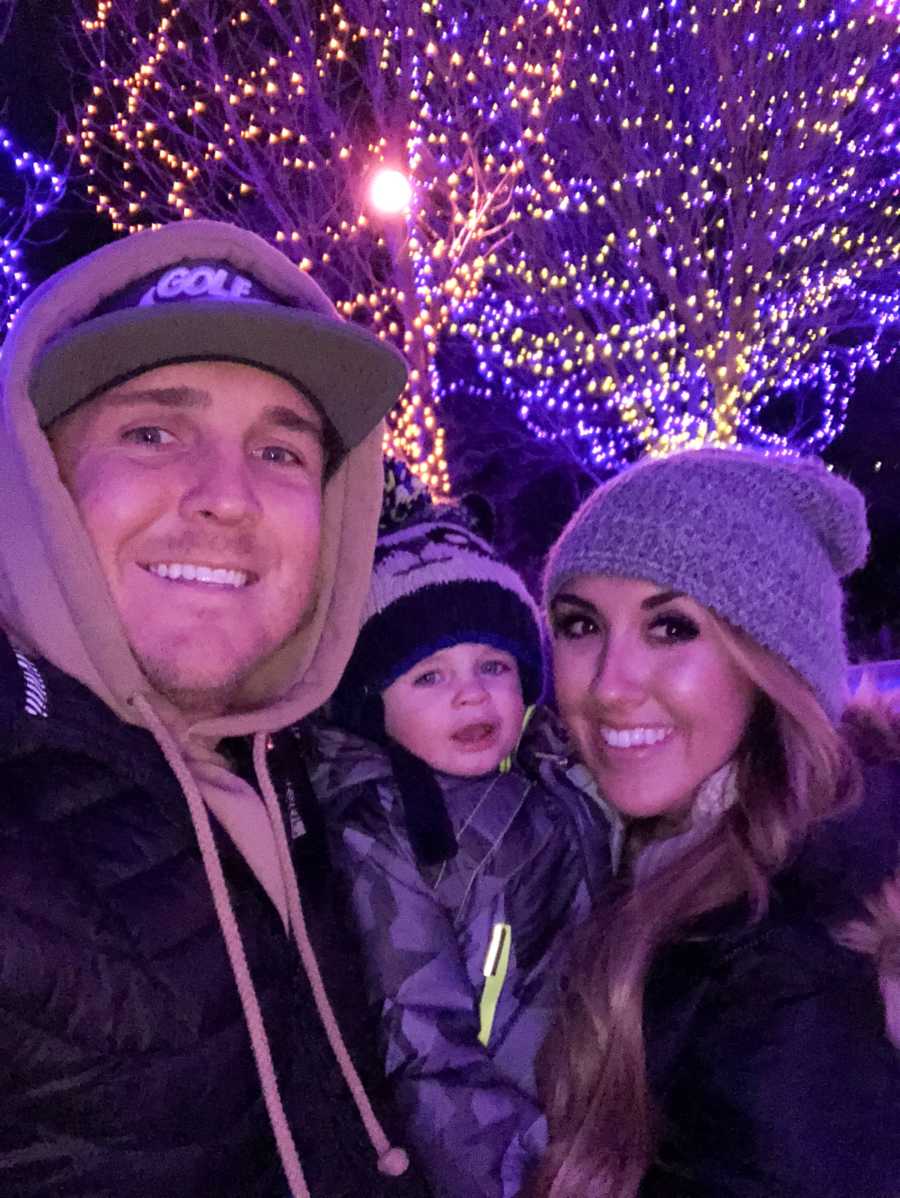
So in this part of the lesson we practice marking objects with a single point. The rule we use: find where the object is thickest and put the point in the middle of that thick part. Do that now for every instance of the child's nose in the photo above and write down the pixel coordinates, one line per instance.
(472, 690)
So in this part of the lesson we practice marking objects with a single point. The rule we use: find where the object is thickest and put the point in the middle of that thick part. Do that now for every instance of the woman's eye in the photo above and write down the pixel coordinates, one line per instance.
(673, 628)
(572, 626)
(148, 434)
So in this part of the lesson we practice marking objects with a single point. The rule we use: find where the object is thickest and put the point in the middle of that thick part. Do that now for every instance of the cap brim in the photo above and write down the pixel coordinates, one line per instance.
(354, 377)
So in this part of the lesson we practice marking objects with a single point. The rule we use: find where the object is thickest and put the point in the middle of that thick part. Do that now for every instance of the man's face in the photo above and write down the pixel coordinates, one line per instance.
(200, 486)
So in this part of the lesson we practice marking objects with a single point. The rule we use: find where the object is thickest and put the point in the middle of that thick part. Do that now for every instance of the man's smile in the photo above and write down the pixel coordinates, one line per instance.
(224, 576)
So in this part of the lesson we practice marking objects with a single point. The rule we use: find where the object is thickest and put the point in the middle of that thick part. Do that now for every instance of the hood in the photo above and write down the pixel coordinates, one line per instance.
(53, 598)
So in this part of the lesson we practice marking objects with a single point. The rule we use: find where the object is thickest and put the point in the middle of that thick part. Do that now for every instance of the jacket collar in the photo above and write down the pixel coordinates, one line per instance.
(43, 708)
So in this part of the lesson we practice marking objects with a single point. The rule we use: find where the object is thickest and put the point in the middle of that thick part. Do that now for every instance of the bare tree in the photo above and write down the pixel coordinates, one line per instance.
(723, 253)
(29, 189)
(276, 116)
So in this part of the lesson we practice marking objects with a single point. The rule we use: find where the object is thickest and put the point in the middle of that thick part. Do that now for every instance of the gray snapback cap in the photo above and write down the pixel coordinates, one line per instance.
(207, 308)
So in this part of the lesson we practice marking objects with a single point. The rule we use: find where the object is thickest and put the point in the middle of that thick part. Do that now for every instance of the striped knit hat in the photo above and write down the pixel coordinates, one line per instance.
(437, 583)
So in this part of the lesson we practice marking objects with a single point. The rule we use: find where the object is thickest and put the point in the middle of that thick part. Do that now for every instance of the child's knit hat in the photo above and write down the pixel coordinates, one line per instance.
(436, 582)
(761, 541)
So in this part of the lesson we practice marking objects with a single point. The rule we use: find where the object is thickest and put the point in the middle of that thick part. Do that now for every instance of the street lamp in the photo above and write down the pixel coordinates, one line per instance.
(390, 192)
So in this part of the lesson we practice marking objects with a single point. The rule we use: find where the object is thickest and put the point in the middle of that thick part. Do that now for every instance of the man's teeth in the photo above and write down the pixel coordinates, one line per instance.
(628, 738)
(191, 573)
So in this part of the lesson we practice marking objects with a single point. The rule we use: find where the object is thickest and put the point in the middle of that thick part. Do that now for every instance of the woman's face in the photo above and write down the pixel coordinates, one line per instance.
(652, 698)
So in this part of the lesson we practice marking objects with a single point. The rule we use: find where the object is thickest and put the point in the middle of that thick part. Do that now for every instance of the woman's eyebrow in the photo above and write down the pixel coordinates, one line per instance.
(649, 604)
(573, 601)
(662, 598)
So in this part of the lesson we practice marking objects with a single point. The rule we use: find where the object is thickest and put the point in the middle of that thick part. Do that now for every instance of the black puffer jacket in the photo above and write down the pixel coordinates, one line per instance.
(766, 1043)
(125, 1063)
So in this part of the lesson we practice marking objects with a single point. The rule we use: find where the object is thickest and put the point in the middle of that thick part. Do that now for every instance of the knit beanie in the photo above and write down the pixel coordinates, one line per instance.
(436, 582)
(761, 541)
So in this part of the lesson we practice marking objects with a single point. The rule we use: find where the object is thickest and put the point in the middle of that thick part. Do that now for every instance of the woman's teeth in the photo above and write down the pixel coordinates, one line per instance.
(191, 573)
(629, 738)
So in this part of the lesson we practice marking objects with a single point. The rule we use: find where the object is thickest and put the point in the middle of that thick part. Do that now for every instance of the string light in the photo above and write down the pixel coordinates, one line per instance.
(677, 226)
(33, 188)
(722, 255)
(277, 115)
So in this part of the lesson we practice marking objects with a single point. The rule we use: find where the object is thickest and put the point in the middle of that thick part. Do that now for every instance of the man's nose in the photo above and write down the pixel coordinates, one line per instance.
(222, 487)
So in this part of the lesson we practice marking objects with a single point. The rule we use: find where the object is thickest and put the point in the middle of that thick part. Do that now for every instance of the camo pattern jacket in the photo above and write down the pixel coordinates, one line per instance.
(464, 959)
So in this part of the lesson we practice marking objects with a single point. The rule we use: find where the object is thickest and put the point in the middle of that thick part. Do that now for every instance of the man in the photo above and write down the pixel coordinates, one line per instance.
(191, 466)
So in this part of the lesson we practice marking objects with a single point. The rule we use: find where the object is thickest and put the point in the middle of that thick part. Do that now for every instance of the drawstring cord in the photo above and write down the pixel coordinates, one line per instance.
(262, 1053)
(392, 1161)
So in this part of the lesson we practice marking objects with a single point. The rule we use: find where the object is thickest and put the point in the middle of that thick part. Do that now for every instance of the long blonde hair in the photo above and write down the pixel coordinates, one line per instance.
(793, 770)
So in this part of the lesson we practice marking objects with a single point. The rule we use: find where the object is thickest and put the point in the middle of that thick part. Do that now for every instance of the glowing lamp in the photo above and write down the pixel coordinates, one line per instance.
(390, 192)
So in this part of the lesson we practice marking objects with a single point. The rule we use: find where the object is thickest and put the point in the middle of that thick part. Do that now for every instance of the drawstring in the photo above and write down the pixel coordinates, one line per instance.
(252, 1014)
(392, 1160)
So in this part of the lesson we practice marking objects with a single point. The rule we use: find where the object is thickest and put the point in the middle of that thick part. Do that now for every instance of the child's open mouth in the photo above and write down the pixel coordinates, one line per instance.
(476, 736)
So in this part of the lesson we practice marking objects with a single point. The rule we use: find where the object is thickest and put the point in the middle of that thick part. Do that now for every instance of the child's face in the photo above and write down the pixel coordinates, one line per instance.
(460, 710)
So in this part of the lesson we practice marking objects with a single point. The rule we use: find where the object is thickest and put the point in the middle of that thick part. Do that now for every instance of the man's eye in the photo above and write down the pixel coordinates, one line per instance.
(280, 455)
(673, 628)
(148, 434)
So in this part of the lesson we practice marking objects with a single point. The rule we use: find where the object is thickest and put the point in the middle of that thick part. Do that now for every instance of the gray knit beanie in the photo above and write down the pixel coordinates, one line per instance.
(761, 541)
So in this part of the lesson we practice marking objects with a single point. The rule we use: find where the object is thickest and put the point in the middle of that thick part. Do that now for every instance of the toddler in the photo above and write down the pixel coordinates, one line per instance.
(467, 852)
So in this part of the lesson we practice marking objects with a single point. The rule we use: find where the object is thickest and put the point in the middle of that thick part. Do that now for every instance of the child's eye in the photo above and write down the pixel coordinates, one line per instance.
(495, 666)
(147, 434)
(673, 628)
(427, 678)
(573, 625)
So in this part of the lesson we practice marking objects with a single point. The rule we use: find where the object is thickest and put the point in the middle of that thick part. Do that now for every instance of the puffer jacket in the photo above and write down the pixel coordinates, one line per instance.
(125, 1064)
(767, 1043)
(474, 946)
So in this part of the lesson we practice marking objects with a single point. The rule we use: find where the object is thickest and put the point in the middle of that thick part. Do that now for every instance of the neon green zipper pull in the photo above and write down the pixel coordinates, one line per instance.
(507, 763)
(496, 964)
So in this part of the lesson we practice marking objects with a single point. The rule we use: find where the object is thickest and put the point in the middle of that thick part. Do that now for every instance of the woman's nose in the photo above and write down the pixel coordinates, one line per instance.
(620, 675)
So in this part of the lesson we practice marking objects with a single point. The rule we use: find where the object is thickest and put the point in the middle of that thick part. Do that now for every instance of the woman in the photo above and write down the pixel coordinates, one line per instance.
(732, 1023)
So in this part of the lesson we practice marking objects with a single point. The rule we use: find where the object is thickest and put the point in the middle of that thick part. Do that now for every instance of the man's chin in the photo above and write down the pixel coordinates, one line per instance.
(208, 684)
(197, 694)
